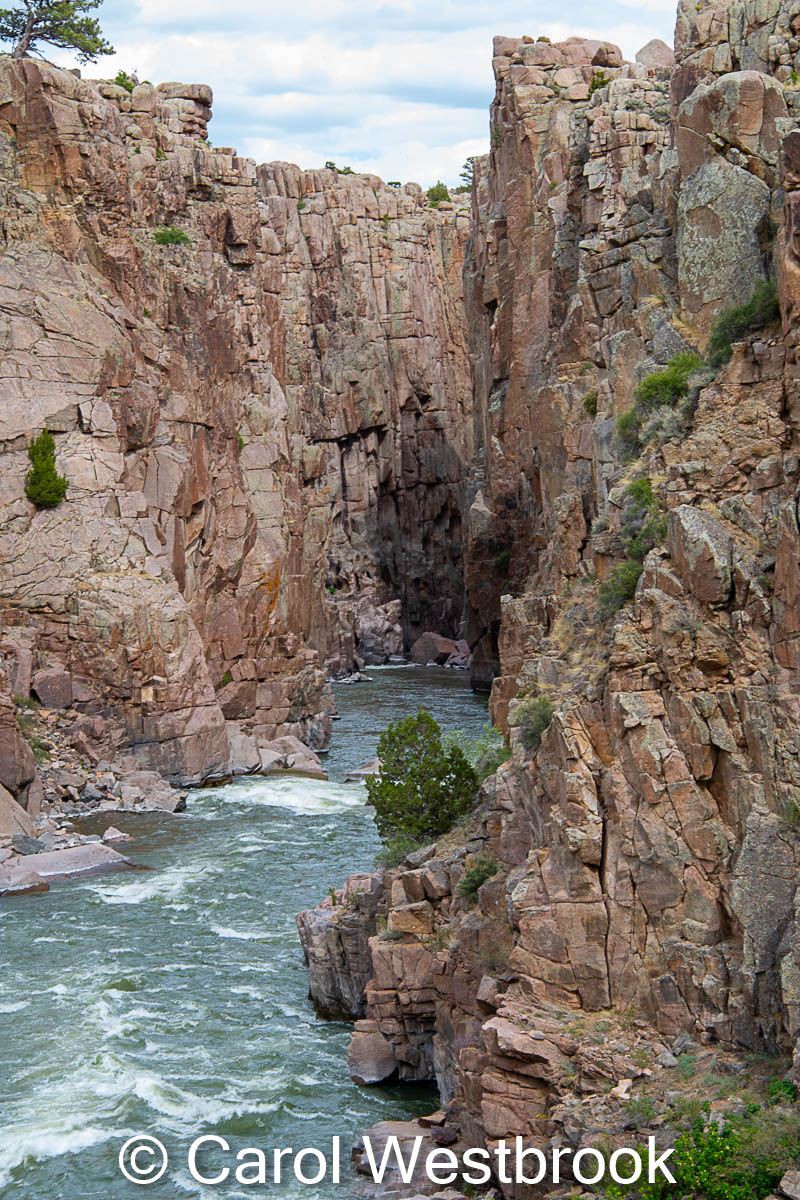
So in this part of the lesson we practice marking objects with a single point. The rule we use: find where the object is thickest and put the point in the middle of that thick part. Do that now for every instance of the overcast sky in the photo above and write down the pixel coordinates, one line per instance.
(400, 88)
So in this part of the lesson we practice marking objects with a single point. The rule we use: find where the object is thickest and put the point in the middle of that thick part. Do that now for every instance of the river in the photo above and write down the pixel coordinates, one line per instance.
(174, 1002)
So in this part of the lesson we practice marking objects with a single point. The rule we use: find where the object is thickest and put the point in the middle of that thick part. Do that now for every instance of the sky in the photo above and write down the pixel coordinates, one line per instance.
(400, 89)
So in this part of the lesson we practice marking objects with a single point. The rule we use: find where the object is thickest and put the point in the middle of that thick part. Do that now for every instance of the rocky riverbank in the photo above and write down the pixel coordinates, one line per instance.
(632, 582)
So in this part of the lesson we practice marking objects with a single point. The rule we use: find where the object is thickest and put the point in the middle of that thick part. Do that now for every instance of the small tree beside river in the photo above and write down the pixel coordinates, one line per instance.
(423, 787)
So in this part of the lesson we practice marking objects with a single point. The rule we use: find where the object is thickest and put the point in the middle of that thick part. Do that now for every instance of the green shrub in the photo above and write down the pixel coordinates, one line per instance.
(629, 429)
(532, 718)
(160, 154)
(485, 754)
(733, 324)
(422, 788)
(640, 1110)
(590, 403)
(123, 80)
(599, 80)
(482, 868)
(437, 192)
(667, 386)
(44, 487)
(226, 679)
(659, 391)
(743, 1160)
(619, 588)
(169, 235)
(780, 1091)
(502, 560)
(301, 204)
(641, 523)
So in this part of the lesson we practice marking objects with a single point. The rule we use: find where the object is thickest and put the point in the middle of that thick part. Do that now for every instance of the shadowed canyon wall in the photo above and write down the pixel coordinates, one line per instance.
(265, 429)
(645, 846)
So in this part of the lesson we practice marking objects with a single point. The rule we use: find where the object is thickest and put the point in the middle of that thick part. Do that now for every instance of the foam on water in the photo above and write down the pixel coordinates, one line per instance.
(175, 1001)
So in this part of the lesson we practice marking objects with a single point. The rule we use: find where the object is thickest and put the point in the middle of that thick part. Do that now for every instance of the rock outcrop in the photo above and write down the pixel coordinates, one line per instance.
(269, 401)
(646, 843)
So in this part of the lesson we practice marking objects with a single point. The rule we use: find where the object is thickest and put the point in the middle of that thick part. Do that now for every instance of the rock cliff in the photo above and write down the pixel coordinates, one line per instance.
(645, 847)
(263, 419)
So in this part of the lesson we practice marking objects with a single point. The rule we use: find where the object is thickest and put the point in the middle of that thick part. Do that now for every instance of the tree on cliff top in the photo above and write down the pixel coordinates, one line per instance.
(60, 23)
(423, 787)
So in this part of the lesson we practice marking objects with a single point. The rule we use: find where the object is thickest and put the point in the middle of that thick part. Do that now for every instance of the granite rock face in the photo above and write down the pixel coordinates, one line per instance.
(276, 406)
(646, 843)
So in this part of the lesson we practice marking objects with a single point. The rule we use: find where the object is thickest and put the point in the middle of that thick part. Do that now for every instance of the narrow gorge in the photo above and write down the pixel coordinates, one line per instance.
(333, 417)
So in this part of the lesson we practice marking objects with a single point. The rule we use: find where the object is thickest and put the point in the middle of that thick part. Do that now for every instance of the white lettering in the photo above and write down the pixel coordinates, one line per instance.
(521, 1177)
(450, 1165)
(485, 1173)
(259, 1166)
(310, 1152)
(277, 1155)
(657, 1164)
(502, 1151)
(587, 1152)
(393, 1147)
(636, 1161)
(195, 1146)
(557, 1155)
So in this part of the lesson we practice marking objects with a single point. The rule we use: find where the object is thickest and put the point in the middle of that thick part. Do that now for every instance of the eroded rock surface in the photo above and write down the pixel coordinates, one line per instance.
(278, 406)
(646, 843)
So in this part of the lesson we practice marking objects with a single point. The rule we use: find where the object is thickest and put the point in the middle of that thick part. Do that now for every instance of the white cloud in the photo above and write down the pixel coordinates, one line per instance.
(398, 87)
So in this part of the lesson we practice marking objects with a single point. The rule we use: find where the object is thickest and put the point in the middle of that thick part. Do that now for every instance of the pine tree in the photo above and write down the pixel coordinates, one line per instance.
(60, 23)
(44, 487)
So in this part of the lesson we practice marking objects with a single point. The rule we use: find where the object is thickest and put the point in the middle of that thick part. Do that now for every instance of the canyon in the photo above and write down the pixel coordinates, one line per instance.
(338, 417)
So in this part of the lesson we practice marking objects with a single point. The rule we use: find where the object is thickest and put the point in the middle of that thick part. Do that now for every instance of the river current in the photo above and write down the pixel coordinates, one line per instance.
(174, 1002)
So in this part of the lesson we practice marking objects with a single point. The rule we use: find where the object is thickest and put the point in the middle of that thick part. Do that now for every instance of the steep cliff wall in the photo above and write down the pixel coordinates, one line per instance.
(274, 407)
(647, 847)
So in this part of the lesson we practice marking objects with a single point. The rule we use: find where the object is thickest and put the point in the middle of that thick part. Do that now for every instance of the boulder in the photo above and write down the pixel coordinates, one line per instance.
(91, 858)
(24, 883)
(789, 1186)
(701, 549)
(721, 211)
(291, 755)
(656, 54)
(53, 687)
(21, 843)
(17, 764)
(370, 1057)
(432, 648)
(13, 818)
(115, 835)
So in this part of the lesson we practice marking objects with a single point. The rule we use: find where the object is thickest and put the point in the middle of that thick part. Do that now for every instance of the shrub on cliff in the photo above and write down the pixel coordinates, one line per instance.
(735, 323)
(485, 754)
(437, 193)
(423, 787)
(743, 1158)
(532, 718)
(44, 487)
(122, 79)
(619, 588)
(660, 390)
(667, 386)
(642, 525)
(480, 869)
(170, 235)
(58, 23)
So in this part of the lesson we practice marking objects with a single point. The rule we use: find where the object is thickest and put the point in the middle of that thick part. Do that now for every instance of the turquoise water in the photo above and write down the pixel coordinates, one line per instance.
(174, 1002)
